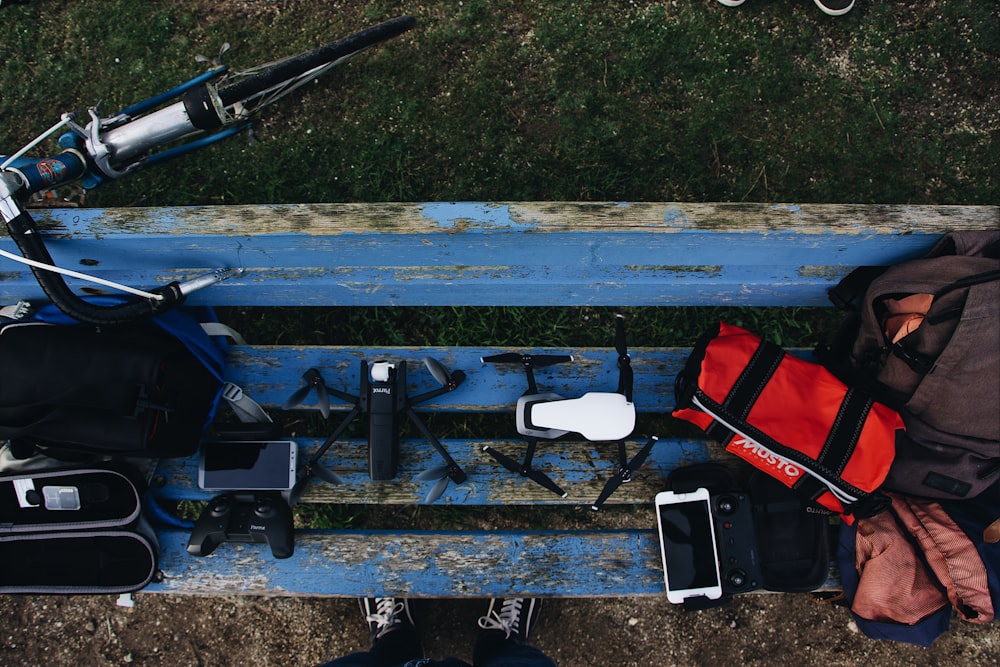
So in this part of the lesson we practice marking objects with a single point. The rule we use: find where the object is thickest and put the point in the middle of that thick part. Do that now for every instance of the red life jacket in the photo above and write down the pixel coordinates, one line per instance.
(790, 418)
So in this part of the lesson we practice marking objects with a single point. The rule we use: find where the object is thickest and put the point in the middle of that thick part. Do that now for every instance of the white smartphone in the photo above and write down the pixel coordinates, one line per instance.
(248, 466)
(687, 545)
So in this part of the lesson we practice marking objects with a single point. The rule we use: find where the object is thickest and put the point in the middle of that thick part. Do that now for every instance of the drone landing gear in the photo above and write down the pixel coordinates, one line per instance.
(623, 470)
(524, 469)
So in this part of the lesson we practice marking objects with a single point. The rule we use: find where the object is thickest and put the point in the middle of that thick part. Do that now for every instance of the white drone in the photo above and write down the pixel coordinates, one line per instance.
(597, 416)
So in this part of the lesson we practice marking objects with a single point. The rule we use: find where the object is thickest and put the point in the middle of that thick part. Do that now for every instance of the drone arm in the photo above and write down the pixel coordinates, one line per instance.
(343, 395)
(456, 379)
(454, 471)
(355, 411)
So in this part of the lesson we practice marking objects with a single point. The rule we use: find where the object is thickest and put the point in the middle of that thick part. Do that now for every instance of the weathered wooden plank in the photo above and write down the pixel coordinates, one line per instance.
(591, 563)
(495, 254)
(333, 219)
(416, 564)
(581, 468)
(272, 373)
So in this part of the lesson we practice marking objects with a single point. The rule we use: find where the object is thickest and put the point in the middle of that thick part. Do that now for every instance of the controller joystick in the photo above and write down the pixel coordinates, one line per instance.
(737, 543)
(727, 504)
(737, 578)
(219, 506)
(253, 517)
(263, 508)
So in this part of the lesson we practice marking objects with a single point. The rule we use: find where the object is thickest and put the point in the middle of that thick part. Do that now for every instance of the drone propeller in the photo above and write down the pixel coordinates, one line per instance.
(442, 475)
(528, 362)
(310, 470)
(313, 380)
(537, 360)
(623, 472)
(504, 460)
(525, 470)
(327, 475)
(439, 372)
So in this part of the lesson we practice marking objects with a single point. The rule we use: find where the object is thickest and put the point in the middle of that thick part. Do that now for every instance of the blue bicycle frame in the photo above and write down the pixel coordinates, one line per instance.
(188, 117)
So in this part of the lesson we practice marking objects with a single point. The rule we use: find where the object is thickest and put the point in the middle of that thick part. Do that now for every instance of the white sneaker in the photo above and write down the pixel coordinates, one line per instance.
(513, 616)
(384, 615)
(834, 7)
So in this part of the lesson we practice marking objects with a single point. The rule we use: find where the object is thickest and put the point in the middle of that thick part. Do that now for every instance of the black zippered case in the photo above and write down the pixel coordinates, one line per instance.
(74, 530)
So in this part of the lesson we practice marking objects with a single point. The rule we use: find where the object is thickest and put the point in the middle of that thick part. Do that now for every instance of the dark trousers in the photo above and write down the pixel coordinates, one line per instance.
(401, 648)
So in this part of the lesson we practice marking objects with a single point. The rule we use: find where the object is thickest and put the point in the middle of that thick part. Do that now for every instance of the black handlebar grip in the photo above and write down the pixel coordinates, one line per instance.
(25, 234)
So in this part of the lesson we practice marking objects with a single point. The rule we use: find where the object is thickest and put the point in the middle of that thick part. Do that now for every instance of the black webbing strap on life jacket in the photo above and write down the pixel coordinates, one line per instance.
(840, 442)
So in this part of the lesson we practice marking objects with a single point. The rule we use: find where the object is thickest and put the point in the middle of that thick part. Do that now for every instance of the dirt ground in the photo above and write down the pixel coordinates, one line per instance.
(767, 629)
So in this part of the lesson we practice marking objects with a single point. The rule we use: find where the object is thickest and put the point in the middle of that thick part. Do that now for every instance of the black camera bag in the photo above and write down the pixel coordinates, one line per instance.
(74, 530)
(793, 537)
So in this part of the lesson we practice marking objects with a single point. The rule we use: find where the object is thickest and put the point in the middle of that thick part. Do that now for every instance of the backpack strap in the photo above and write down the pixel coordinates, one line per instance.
(220, 329)
(846, 295)
(922, 363)
(247, 410)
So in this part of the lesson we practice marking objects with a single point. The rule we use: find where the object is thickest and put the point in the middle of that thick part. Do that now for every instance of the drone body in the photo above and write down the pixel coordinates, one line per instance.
(597, 416)
(383, 397)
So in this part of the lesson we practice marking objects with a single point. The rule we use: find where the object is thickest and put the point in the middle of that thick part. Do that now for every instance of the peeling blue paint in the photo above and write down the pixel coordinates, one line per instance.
(674, 216)
(473, 216)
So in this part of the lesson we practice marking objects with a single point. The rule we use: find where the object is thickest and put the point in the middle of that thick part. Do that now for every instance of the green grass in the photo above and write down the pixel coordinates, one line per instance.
(567, 100)
(520, 327)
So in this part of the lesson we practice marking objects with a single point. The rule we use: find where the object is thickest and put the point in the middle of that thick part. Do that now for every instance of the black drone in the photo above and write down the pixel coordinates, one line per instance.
(383, 398)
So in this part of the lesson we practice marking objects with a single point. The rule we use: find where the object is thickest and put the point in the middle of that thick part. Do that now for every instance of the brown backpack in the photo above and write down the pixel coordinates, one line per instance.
(924, 338)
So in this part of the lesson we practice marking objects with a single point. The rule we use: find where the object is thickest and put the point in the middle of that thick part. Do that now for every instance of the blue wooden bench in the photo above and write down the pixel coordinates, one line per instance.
(472, 254)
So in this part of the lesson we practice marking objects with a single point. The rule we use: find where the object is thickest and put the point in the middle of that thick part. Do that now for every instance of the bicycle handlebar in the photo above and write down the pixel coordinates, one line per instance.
(112, 147)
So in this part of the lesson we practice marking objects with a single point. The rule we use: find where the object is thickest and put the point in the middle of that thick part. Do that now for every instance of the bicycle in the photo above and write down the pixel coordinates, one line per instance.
(207, 109)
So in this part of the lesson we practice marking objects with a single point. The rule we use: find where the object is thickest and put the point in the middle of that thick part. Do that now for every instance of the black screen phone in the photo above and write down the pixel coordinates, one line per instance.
(248, 466)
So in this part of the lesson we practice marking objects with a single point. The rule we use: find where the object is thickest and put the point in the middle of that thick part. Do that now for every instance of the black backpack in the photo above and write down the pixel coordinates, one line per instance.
(74, 392)
(936, 361)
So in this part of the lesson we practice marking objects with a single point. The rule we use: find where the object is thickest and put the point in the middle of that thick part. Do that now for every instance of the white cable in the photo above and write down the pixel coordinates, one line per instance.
(10, 159)
(81, 276)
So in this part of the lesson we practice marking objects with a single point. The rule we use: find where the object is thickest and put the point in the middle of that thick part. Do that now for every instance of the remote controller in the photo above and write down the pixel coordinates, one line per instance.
(739, 566)
(253, 517)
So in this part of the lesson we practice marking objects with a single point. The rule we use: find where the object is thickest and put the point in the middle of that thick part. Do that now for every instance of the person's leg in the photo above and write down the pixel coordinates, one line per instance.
(394, 636)
(503, 641)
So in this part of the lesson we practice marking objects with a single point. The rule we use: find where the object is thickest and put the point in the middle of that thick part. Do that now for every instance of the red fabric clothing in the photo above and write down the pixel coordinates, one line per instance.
(913, 560)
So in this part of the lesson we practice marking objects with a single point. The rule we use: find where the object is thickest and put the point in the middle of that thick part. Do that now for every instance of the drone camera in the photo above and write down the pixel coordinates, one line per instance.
(382, 370)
